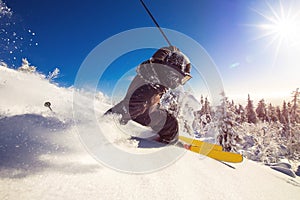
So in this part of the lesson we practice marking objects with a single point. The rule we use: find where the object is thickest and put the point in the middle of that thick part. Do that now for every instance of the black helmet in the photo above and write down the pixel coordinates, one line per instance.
(172, 57)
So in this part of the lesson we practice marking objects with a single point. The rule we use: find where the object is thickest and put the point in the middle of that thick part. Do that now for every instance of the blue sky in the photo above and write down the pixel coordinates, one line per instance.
(60, 33)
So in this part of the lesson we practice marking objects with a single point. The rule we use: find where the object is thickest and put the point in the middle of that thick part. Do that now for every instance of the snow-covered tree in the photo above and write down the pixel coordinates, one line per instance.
(279, 114)
(293, 143)
(271, 138)
(25, 67)
(204, 115)
(250, 113)
(271, 113)
(261, 110)
(285, 113)
(53, 75)
(225, 117)
(294, 107)
(240, 114)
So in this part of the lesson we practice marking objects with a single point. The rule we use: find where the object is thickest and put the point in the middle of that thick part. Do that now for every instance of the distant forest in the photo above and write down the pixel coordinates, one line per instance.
(260, 131)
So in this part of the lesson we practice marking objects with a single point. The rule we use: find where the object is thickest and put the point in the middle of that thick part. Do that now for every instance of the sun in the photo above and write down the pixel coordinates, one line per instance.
(281, 25)
(285, 28)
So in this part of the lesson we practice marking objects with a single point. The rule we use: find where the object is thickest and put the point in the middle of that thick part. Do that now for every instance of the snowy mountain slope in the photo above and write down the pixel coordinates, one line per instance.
(42, 156)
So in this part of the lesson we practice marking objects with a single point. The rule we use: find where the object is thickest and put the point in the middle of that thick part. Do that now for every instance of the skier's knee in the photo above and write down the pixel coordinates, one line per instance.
(166, 126)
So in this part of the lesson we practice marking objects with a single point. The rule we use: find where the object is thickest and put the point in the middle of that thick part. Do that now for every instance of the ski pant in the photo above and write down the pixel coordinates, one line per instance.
(144, 109)
(162, 122)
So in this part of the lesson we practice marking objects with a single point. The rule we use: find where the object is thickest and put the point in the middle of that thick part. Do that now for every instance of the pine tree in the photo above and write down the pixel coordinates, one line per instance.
(240, 114)
(285, 114)
(201, 100)
(279, 115)
(251, 115)
(207, 108)
(261, 110)
(294, 106)
(271, 113)
(286, 120)
(225, 117)
(204, 115)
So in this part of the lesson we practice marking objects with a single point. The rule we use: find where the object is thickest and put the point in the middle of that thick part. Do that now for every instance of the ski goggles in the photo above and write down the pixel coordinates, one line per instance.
(185, 72)
(181, 79)
(185, 79)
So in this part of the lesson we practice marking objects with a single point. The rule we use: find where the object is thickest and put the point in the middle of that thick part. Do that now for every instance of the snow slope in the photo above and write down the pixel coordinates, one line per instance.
(43, 157)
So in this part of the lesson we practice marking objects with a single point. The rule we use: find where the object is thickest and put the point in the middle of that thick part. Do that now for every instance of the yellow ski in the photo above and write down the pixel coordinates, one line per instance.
(203, 148)
(210, 150)
(199, 143)
(217, 155)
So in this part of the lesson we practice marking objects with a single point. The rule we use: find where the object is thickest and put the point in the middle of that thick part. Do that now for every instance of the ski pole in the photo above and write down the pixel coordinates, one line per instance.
(155, 22)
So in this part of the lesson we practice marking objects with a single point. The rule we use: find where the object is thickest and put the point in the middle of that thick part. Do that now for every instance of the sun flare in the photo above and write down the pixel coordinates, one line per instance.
(281, 25)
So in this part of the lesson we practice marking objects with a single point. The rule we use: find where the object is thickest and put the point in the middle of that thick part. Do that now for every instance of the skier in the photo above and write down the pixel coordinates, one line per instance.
(166, 69)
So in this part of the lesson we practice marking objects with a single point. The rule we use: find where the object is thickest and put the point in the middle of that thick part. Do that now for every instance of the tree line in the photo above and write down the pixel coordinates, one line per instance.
(263, 132)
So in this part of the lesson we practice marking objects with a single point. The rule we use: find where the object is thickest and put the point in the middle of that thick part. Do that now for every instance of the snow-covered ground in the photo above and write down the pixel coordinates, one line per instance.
(42, 156)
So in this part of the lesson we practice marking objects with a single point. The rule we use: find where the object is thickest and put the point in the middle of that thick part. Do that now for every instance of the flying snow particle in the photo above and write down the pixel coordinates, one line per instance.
(4, 10)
